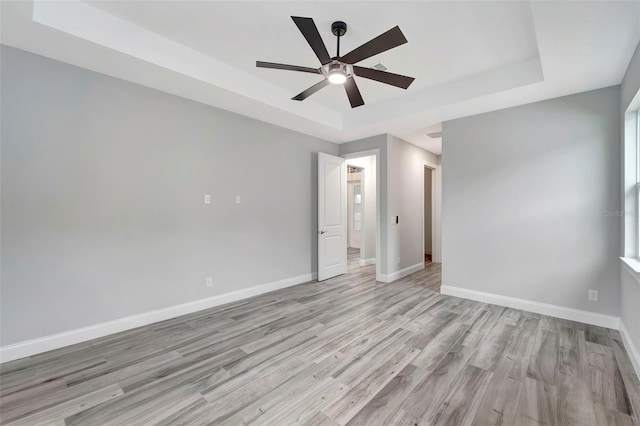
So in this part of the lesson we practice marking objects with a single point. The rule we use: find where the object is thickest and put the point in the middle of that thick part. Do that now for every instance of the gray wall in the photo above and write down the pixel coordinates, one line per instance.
(525, 192)
(102, 199)
(406, 200)
(631, 81)
(630, 305)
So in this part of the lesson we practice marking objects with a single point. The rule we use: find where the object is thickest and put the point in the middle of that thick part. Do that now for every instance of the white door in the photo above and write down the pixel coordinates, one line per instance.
(332, 216)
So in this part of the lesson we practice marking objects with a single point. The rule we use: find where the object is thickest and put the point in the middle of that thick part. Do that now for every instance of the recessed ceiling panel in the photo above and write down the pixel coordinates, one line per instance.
(448, 41)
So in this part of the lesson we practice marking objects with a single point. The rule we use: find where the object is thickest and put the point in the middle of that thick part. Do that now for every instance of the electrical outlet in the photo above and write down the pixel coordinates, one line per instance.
(398, 260)
(593, 295)
(209, 282)
(237, 199)
(207, 199)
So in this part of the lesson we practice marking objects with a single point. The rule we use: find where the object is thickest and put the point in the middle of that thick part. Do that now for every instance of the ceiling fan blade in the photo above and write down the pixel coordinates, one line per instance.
(311, 90)
(383, 76)
(310, 32)
(385, 41)
(286, 67)
(355, 98)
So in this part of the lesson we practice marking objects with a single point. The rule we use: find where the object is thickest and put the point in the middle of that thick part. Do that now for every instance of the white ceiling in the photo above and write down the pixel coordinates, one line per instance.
(229, 32)
(467, 57)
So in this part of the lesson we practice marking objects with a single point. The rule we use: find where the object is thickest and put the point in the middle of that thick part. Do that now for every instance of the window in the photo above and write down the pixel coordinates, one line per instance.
(357, 208)
(630, 214)
(637, 192)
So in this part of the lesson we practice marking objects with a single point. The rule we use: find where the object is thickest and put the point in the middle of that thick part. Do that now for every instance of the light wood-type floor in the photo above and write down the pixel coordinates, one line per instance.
(345, 351)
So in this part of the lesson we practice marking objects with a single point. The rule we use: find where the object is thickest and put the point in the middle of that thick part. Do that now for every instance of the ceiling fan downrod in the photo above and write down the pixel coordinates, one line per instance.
(338, 28)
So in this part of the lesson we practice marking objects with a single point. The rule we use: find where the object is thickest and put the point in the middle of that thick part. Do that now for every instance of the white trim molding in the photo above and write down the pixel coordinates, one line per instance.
(587, 317)
(633, 267)
(631, 349)
(401, 273)
(79, 335)
(366, 262)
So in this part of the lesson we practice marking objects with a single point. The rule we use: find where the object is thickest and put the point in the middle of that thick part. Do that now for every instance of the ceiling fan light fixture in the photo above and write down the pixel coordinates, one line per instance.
(337, 77)
(337, 73)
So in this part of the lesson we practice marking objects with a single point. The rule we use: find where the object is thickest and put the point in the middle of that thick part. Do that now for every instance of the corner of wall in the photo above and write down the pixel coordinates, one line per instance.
(631, 348)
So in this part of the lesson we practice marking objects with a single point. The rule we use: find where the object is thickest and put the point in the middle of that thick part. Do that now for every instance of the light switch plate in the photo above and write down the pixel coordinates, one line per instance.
(593, 295)
(207, 199)
(237, 199)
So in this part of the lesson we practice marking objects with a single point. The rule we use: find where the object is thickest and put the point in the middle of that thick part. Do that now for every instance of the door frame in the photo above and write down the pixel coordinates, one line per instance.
(376, 154)
(436, 211)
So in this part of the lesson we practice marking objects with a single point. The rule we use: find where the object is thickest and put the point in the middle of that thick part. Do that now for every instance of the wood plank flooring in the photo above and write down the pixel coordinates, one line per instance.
(347, 351)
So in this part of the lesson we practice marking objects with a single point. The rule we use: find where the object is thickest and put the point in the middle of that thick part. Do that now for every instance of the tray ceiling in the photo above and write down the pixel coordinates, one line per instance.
(467, 57)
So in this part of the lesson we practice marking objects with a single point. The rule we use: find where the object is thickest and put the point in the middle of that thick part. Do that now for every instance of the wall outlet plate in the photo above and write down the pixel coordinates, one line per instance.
(592, 295)
(209, 282)
(207, 199)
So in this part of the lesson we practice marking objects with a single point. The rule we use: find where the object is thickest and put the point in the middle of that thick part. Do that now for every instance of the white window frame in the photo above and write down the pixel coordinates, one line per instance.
(637, 194)
(630, 213)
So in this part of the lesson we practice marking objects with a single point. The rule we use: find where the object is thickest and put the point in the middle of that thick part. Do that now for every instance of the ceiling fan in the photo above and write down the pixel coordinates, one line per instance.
(341, 69)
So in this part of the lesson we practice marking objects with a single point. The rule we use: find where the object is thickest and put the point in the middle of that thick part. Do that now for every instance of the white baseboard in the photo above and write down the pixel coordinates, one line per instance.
(401, 273)
(71, 337)
(586, 317)
(366, 262)
(634, 355)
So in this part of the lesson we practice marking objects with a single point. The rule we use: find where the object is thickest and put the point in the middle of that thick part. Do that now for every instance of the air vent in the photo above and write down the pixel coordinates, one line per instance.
(435, 135)
(380, 67)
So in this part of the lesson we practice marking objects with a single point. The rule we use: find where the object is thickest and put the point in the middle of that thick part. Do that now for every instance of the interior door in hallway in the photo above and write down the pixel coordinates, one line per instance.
(332, 216)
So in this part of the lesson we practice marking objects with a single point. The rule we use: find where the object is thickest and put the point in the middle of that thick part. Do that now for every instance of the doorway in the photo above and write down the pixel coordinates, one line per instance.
(361, 211)
(428, 215)
(333, 246)
(432, 193)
